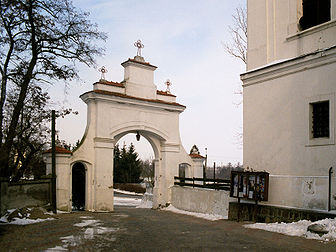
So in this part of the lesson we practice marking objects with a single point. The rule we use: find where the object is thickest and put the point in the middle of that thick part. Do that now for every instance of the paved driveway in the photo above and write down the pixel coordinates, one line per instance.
(132, 229)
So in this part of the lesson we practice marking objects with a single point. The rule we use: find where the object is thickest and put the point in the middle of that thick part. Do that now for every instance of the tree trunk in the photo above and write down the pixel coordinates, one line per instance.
(5, 149)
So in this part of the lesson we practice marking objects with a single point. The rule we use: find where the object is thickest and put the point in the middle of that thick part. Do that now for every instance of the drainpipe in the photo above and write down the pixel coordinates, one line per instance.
(329, 194)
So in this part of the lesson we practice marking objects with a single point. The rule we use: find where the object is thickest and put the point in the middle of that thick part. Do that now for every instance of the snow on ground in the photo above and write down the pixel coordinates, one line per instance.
(20, 220)
(90, 228)
(127, 192)
(145, 204)
(26, 221)
(146, 201)
(124, 201)
(299, 228)
(212, 217)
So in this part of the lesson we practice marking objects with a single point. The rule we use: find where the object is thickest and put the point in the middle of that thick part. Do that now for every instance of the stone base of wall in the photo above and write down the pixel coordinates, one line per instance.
(266, 213)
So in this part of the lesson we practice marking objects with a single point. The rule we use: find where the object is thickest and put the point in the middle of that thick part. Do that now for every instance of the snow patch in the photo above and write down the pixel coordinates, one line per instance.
(57, 248)
(26, 221)
(146, 201)
(91, 228)
(123, 201)
(211, 217)
(21, 219)
(127, 192)
(145, 204)
(85, 223)
(299, 228)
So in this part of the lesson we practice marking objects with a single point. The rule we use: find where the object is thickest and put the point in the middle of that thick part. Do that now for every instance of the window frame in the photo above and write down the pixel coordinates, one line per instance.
(321, 140)
(317, 117)
(319, 22)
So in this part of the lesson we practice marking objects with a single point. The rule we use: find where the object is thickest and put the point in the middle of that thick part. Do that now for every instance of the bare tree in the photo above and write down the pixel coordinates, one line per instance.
(40, 41)
(238, 45)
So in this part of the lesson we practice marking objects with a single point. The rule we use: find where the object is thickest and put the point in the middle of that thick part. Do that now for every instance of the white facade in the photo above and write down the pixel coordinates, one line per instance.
(289, 70)
(114, 110)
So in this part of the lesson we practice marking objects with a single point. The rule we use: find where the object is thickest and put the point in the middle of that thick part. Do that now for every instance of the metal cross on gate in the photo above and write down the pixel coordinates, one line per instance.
(168, 84)
(103, 70)
(139, 45)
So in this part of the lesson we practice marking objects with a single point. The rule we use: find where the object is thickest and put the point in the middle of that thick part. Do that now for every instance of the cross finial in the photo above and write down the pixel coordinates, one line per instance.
(168, 84)
(139, 45)
(103, 70)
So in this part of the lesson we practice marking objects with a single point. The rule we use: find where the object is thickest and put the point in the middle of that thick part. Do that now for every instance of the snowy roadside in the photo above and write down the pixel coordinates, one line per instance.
(145, 202)
(211, 217)
(300, 228)
(25, 216)
(127, 192)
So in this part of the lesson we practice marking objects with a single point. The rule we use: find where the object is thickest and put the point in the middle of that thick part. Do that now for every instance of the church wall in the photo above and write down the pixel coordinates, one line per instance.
(288, 70)
(277, 125)
(275, 34)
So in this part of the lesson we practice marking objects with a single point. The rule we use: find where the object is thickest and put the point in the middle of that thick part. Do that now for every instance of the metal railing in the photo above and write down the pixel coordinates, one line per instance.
(216, 184)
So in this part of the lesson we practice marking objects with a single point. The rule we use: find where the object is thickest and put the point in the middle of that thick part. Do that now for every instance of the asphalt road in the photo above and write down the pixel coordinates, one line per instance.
(132, 229)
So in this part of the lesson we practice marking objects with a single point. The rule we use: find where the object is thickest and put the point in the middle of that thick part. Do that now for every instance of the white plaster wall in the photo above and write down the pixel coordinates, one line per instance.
(198, 167)
(273, 32)
(308, 192)
(139, 80)
(285, 74)
(63, 179)
(139, 73)
(109, 88)
(167, 98)
(201, 200)
(277, 129)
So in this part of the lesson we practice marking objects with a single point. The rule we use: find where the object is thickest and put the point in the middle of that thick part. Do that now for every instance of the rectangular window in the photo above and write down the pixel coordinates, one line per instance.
(320, 119)
(315, 12)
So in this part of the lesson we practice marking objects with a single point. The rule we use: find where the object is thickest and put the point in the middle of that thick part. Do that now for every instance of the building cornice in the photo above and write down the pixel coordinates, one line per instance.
(289, 66)
(110, 83)
(159, 92)
(122, 98)
(134, 62)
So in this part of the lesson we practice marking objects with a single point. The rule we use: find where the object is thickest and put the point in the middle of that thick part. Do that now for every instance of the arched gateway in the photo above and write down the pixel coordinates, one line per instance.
(114, 110)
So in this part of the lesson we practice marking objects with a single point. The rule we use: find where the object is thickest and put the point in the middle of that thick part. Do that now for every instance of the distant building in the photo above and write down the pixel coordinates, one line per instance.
(289, 99)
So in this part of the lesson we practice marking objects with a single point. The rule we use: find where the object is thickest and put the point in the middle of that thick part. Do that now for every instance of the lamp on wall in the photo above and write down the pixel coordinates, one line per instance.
(137, 136)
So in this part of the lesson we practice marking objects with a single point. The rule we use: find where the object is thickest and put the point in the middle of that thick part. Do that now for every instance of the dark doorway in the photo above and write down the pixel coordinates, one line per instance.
(78, 187)
(182, 171)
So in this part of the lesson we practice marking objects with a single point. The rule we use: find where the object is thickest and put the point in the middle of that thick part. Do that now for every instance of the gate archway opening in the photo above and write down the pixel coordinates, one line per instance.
(143, 144)
(78, 186)
(133, 169)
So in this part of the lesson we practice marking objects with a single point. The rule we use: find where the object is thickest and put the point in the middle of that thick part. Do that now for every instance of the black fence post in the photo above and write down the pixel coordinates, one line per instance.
(214, 175)
(329, 190)
(53, 160)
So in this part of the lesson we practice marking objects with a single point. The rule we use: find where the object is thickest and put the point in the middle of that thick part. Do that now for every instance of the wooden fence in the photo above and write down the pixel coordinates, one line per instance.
(216, 184)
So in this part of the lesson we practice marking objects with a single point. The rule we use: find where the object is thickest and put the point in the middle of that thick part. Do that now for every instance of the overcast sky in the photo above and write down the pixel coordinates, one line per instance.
(184, 40)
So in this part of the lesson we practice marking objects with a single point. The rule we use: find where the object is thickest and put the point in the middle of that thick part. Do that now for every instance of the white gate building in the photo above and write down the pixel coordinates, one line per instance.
(114, 110)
